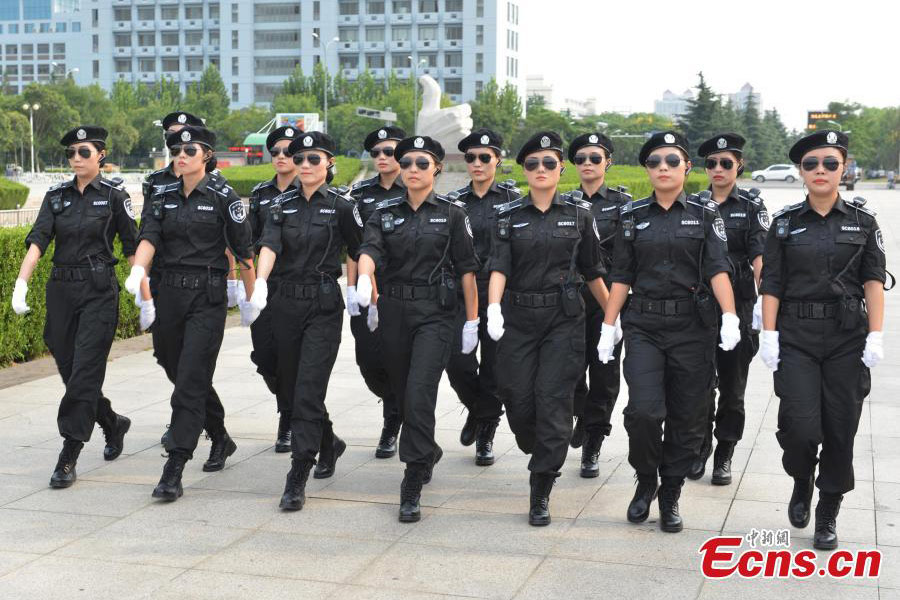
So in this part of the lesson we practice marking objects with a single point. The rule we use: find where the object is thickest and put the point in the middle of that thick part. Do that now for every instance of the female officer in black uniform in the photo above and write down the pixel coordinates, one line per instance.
(592, 155)
(83, 215)
(191, 223)
(474, 381)
(545, 246)
(420, 243)
(264, 354)
(301, 248)
(670, 250)
(823, 312)
(746, 223)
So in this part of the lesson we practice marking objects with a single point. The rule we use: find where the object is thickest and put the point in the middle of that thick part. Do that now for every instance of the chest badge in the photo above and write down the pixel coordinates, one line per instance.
(643, 225)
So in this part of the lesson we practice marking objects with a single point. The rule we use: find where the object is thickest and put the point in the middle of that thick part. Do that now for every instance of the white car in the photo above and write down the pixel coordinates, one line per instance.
(786, 173)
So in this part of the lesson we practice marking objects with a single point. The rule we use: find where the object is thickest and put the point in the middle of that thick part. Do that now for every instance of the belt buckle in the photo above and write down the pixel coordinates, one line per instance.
(649, 306)
(184, 281)
(537, 301)
(407, 292)
(670, 307)
(817, 310)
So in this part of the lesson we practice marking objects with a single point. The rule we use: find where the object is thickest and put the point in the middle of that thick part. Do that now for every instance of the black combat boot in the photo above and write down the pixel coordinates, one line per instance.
(590, 455)
(222, 447)
(800, 506)
(283, 438)
(411, 494)
(429, 471)
(387, 444)
(541, 486)
(169, 487)
(484, 442)
(469, 430)
(639, 508)
(64, 473)
(698, 467)
(164, 438)
(294, 496)
(669, 518)
(115, 437)
(721, 474)
(577, 433)
(825, 537)
(328, 458)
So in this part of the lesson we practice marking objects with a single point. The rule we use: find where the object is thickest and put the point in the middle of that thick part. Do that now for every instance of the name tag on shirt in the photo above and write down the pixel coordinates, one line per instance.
(205, 207)
(101, 202)
(738, 215)
(327, 211)
(565, 223)
(442, 220)
(690, 222)
(850, 228)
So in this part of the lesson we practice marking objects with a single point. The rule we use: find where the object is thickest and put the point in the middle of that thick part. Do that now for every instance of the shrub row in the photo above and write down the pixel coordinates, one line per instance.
(12, 194)
(244, 179)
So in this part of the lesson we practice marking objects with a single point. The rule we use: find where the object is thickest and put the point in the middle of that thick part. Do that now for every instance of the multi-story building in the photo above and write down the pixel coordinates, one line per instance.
(256, 44)
(740, 98)
(673, 105)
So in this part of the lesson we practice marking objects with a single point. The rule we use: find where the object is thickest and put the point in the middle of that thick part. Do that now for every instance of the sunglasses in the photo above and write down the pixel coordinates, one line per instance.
(532, 164)
(483, 158)
(82, 152)
(276, 152)
(654, 160)
(313, 159)
(595, 157)
(422, 163)
(188, 150)
(376, 152)
(712, 163)
(829, 162)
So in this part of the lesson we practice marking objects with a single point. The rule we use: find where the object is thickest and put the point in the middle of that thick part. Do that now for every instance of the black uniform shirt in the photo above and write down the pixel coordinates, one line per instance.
(309, 239)
(163, 176)
(369, 192)
(87, 224)
(483, 217)
(805, 266)
(663, 260)
(746, 224)
(537, 256)
(422, 241)
(193, 230)
(606, 205)
(261, 202)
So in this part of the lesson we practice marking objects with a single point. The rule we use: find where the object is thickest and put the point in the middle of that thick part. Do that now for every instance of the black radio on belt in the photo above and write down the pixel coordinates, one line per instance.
(628, 230)
(849, 313)
(214, 288)
(503, 228)
(387, 222)
(56, 204)
(570, 298)
(277, 213)
(782, 228)
(447, 292)
(100, 279)
(328, 295)
(706, 308)
(156, 208)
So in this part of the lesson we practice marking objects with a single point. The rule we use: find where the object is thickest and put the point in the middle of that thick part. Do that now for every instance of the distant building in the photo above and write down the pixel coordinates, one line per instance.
(739, 99)
(536, 86)
(673, 105)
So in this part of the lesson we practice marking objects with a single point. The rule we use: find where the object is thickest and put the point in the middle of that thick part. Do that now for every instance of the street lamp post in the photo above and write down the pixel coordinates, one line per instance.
(31, 108)
(325, 92)
(415, 68)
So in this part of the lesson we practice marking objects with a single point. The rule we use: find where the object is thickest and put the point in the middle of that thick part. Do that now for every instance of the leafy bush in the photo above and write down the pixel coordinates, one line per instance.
(244, 179)
(12, 194)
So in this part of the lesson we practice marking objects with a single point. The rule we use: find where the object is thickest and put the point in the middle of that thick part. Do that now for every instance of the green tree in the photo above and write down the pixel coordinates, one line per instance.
(208, 98)
(496, 109)
(702, 116)
(239, 123)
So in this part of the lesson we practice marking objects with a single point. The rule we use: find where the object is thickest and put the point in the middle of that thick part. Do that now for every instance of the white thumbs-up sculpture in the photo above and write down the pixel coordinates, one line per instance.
(446, 125)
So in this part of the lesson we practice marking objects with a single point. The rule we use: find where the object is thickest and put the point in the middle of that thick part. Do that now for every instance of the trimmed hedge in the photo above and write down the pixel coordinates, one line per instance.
(22, 336)
(244, 179)
(12, 194)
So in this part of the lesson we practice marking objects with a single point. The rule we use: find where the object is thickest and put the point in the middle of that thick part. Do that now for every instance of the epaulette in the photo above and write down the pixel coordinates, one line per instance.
(150, 176)
(450, 200)
(787, 209)
(285, 197)
(261, 185)
(709, 205)
(622, 191)
(751, 195)
(390, 202)
(570, 199)
(364, 183)
(116, 183)
(219, 186)
(632, 206)
(858, 203)
(466, 189)
(159, 190)
(342, 192)
(509, 206)
(61, 185)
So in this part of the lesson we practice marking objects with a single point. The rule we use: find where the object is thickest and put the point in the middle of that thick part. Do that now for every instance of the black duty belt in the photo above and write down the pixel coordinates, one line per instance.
(672, 307)
(411, 292)
(533, 300)
(300, 291)
(69, 273)
(810, 310)
(189, 281)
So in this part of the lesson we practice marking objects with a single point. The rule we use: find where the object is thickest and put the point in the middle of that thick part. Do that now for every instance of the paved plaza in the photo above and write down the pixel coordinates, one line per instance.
(106, 538)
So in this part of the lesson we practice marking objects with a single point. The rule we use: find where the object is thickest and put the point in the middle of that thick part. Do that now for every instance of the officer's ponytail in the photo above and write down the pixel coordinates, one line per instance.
(211, 162)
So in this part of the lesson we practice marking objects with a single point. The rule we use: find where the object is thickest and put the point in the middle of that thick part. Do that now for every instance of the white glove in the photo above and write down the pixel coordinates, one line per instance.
(148, 314)
(470, 336)
(364, 291)
(372, 318)
(242, 291)
(495, 322)
(607, 343)
(352, 301)
(135, 277)
(619, 333)
(232, 292)
(19, 305)
(249, 312)
(769, 350)
(874, 352)
(260, 296)
(757, 315)
(730, 332)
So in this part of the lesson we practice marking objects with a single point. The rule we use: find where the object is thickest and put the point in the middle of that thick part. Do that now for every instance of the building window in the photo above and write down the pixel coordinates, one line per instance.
(348, 7)
(193, 38)
(276, 65)
(235, 66)
(36, 9)
(265, 92)
(276, 40)
(234, 12)
(453, 86)
(348, 34)
(169, 12)
(374, 61)
(59, 51)
(43, 51)
(213, 37)
(170, 65)
(428, 6)
(428, 32)
(146, 13)
(147, 65)
(317, 12)
(169, 38)
(9, 11)
(12, 52)
(27, 51)
(401, 34)
(234, 92)
(479, 35)
(375, 7)
(29, 27)
(76, 27)
(193, 64)
(374, 34)
(453, 59)
(453, 32)
(123, 65)
(430, 59)
(234, 39)
(14, 28)
(60, 28)
(95, 43)
(349, 61)
(122, 40)
(479, 86)
(214, 10)
(122, 13)
(453, 5)
(276, 13)
(95, 71)
(399, 61)
(479, 62)
(193, 12)
(479, 8)
(402, 7)
(146, 39)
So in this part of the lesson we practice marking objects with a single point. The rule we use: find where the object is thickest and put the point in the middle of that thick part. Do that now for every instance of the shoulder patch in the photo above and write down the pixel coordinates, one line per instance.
(787, 209)
(389, 202)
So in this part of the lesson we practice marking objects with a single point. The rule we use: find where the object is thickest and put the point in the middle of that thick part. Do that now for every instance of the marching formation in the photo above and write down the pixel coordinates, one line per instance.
(534, 304)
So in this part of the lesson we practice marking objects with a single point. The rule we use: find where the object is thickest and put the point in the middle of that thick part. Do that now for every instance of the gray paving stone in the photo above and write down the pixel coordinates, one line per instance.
(854, 525)
(41, 532)
(88, 498)
(208, 585)
(10, 561)
(338, 518)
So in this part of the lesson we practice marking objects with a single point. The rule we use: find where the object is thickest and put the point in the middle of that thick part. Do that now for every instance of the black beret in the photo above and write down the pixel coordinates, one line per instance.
(84, 133)
(724, 142)
(663, 139)
(288, 132)
(388, 132)
(542, 140)
(181, 118)
(590, 139)
(419, 143)
(827, 138)
(313, 140)
(481, 138)
(191, 134)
